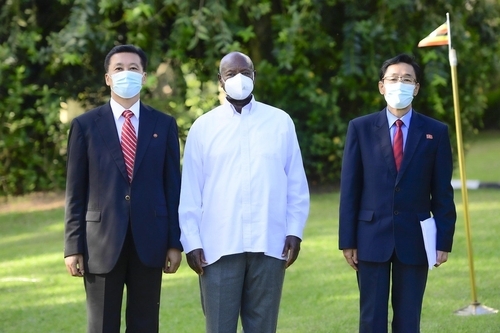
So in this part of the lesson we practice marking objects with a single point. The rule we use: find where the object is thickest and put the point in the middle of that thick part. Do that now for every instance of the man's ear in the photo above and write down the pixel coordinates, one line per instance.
(221, 82)
(381, 87)
(108, 80)
(417, 88)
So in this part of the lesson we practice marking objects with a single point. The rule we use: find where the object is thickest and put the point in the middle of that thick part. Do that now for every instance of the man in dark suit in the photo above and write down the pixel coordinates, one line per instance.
(122, 195)
(386, 192)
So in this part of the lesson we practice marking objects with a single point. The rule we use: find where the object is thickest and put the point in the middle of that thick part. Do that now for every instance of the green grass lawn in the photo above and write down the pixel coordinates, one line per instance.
(320, 293)
(482, 158)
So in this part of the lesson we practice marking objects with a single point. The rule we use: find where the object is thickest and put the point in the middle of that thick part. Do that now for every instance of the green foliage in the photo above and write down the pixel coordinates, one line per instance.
(317, 60)
(30, 131)
(491, 117)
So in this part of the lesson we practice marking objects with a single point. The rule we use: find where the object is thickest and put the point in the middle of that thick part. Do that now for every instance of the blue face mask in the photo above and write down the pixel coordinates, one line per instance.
(126, 84)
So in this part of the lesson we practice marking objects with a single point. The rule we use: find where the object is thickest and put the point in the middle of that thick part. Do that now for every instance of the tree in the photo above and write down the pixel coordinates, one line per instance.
(31, 135)
(317, 60)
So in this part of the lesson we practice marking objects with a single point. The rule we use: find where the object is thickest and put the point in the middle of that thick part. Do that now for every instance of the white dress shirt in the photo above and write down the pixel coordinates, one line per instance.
(244, 188)
(117, 110)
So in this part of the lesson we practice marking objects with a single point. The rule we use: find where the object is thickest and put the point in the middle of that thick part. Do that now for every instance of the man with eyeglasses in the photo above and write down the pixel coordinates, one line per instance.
(396, 172)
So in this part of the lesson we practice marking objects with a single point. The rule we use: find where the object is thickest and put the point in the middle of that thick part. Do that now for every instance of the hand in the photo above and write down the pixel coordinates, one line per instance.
(351, 256)
(74, 265)
(173, 261)
(291, 249)
(196, 259)
(442, 257)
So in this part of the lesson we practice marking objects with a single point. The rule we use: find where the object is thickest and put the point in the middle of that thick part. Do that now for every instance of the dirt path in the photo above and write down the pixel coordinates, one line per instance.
(32, 202)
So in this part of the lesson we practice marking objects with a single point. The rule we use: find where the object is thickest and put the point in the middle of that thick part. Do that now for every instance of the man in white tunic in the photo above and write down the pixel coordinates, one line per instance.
(244, 204)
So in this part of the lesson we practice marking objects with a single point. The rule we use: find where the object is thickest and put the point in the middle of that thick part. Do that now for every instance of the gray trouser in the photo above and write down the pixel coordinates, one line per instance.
(246, 284)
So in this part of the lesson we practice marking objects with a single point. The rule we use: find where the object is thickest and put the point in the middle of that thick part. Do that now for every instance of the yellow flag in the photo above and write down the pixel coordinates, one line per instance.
(436, 38)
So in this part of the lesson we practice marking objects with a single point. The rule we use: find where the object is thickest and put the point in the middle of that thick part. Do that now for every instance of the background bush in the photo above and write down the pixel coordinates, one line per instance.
(317, 60)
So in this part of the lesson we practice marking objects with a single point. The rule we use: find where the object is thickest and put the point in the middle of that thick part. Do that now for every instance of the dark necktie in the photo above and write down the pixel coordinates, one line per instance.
(129, 143)
(398, 144)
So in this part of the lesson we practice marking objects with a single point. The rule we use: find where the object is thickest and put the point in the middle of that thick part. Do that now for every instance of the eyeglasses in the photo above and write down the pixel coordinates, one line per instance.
(404, 79)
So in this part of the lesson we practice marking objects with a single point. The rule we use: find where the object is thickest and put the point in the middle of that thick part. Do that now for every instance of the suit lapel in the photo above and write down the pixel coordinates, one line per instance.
(383, 133)
(147, 123)
(107, 127)
(415, 135)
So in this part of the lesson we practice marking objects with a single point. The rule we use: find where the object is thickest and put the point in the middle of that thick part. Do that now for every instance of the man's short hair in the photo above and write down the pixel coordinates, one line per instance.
(126, 49)
(408, 59)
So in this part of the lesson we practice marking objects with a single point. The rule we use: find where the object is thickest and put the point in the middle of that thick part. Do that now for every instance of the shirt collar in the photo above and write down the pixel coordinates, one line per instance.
(231, 111)
(392, 118)
(117, 109)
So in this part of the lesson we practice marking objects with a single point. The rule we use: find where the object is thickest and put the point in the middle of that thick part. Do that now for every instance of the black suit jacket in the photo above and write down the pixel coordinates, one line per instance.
(381, 209)
(100, 202)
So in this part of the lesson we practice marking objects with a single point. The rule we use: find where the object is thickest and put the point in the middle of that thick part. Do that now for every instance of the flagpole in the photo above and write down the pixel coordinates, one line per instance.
(475, 308)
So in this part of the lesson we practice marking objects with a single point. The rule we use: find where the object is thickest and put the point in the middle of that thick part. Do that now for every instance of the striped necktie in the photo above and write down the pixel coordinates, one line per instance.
(129, 143)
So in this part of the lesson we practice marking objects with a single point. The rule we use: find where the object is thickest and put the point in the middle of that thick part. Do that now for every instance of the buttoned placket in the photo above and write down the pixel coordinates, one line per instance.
(246, 192)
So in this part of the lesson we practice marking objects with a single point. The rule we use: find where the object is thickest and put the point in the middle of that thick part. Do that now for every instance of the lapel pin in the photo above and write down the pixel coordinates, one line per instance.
(156, 135)
(429, 136)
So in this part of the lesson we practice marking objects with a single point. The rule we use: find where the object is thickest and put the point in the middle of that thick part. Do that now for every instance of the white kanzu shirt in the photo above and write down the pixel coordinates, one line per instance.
(244, 188)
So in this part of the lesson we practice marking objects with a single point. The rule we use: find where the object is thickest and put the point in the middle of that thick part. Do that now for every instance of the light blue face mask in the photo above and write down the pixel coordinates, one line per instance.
(126, 84)
(399, 95)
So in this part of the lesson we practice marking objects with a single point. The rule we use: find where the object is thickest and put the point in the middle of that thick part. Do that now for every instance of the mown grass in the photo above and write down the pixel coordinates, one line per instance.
(320, 293)
(482, 158)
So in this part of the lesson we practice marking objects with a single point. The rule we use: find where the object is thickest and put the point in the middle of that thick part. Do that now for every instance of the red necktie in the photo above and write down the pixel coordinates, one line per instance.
(129, 143)
(398, 144)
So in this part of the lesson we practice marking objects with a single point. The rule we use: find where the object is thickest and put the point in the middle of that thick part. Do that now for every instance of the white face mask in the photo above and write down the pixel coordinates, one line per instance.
(126, 84)
(239, 86)
(399, 95)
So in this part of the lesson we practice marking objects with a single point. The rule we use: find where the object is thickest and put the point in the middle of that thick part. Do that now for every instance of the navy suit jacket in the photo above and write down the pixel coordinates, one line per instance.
(100, 202)
(380, 208)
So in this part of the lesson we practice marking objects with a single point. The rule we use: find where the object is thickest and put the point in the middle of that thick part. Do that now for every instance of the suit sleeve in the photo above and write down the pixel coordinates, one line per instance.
(76, 191)
(172, 185)
(442, 204)
(351, 184)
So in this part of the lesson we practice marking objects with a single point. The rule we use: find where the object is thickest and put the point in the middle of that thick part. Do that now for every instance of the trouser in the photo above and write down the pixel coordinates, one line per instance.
(247, 285)
(105, 294)
(407, 293)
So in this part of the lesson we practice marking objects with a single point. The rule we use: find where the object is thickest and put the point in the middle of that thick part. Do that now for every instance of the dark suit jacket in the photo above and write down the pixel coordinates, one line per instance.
(100, 202)
(380, 209)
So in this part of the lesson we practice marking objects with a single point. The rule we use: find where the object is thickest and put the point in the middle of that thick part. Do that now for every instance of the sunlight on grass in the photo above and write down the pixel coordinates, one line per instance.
(480, 206)
(35, 262)
(22, 237)
(320, 294)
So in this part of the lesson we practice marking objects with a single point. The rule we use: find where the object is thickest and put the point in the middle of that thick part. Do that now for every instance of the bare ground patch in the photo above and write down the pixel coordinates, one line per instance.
(32, 202)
